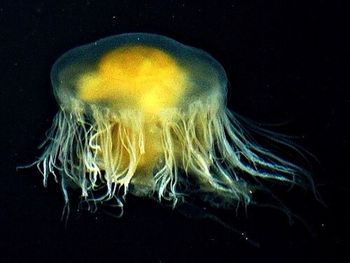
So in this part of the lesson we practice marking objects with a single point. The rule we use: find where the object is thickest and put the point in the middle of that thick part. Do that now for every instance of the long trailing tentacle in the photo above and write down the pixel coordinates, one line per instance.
(99, 152)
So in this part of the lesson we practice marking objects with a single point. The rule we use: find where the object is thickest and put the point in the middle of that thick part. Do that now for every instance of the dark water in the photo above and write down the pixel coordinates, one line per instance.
(285, 61)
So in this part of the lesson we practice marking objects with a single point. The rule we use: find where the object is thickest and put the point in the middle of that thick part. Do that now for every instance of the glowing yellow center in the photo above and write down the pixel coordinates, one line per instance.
(141, 77)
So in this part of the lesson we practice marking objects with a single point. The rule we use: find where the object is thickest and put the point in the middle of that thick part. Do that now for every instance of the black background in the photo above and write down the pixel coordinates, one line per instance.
(286, 64)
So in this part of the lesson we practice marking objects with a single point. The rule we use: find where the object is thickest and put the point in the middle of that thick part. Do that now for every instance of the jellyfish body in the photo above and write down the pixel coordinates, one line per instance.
(144, 114)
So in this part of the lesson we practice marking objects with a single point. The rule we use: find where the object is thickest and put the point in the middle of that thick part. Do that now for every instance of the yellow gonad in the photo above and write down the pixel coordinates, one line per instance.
(142, 76)
(144, 114)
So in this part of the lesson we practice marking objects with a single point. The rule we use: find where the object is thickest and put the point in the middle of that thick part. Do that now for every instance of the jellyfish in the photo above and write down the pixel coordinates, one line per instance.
(143, 114)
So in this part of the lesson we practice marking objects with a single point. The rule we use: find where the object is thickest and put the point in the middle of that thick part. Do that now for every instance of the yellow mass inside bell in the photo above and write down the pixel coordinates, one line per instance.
(141, 77)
